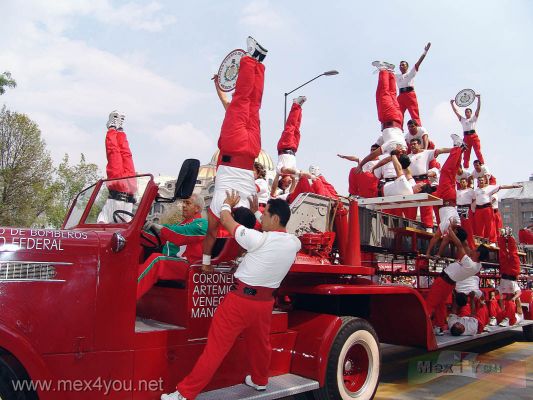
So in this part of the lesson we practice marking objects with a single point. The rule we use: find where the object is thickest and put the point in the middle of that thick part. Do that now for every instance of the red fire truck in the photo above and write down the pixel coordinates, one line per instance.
(71, 327)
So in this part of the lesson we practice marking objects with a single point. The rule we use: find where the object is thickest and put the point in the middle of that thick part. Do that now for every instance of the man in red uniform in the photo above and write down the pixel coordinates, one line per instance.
(509, 271)
(365, 183)
(290, 139)
(183, 241)
(470, 138)
(239, 141)
(465, 200)
(525, 235)
(407, 97)
(247, 310)
(119, 165)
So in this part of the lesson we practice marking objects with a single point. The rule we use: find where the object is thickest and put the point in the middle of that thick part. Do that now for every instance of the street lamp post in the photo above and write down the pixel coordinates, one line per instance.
(327, 73)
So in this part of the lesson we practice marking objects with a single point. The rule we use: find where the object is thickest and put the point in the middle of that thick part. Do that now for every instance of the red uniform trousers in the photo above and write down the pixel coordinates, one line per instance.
(240, 136)
(508, 256)
(303, 186)
(119, 161)
(408, 101)
(364, 184)
(386, 101)
(447, 187)
(525, 236)
(484, 222)
(498, 224)
(158, 267)
(472, 140)
(467, 224)
(290, 138)
(426, 212)
(436, 301)
(509, 311)
(235, 315)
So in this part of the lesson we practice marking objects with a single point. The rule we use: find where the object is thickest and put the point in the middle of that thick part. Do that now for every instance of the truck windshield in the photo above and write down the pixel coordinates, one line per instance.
(115, 202)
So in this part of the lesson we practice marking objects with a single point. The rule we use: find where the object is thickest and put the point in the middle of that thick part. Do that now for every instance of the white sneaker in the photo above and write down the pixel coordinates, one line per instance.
(300, 100)
(255, 50)
(429, 230)
(493, 245)
(486, 329)
(248, 382)
(493, 321)
(438, 331)
(519, 318)
(508, 231)
(457, 141)
(505, 322)
(173, 396)
(383, 65)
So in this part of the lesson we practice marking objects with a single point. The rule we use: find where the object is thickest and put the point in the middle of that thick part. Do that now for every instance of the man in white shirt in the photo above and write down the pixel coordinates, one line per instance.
(407, 97)
(484, 223)
(482, 170)
(247, 309)
(465, 204)
(418, 132)
(470, 138)
(420, 161)
(363, 184)
(443, 286)
(462, 173)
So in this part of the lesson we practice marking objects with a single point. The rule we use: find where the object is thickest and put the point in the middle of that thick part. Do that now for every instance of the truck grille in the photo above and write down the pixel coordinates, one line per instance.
(17, 270)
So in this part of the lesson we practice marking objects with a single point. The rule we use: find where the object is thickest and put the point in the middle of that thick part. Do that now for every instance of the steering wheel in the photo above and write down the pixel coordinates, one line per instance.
(119, 218)
(152, 245)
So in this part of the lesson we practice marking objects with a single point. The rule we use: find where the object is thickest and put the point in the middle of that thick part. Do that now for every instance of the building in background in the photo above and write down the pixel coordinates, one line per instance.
(516, 206)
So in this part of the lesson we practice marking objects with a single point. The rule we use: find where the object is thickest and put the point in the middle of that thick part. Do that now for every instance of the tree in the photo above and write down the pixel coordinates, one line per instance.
(69, 181)
(25, 170)
(6, 81)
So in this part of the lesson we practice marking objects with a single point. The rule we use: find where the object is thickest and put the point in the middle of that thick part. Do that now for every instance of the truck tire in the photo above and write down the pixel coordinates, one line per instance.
(7, 377)
(528, 332)
(353, 364)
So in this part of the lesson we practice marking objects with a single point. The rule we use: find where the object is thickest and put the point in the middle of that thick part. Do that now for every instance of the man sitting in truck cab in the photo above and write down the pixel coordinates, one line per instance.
(182, 240)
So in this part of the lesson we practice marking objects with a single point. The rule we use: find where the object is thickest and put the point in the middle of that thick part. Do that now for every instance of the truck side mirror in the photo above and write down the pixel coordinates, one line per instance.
(185, 182)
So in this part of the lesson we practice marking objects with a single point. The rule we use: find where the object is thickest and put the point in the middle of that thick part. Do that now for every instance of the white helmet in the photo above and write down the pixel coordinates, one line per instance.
(116, 119)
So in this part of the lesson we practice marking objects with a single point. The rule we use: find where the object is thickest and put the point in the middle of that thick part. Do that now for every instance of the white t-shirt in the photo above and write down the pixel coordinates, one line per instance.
(420, 162)
(400, 186)
(463, 269)
(232, 178)
(466, 175)
(369, 165)
(286, 161)
(268, 258)
(447, 214)
(407, 79)
(262, 190)
(469, 124)
(420, 132)
(494, 201)
(483, 196)
(484, 171)
(385, 171)
(468, 285)
(465, 196)
(390, 138)
(470, 324)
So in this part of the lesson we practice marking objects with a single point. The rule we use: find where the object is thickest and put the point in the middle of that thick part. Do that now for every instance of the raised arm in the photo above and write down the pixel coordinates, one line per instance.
(369, 157)
(455, 240)
(417, 65)
(349, 158)
(452, 102)
(442, 150)
(221, 95)
(274, 186)
(478, 105)
(226, 218)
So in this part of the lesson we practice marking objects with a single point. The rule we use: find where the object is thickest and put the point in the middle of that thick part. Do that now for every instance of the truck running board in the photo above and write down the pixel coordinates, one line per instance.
(449, 340)
(400, 201)
(278, 387)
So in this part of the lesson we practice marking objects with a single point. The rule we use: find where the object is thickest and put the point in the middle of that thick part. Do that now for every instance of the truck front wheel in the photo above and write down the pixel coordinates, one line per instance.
(353, 363)
(9, 378)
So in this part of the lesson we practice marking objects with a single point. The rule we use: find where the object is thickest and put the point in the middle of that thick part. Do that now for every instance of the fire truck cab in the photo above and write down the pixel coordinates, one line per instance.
(71, 326)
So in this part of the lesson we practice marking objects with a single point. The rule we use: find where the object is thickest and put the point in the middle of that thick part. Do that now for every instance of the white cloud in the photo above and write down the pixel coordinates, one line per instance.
(260, 14)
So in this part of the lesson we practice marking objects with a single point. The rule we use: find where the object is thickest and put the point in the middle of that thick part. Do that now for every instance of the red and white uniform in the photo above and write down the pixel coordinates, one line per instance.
(498, 223)
(443, 287)
(268, 259)
(471, 139)
(465, 175)
(470, 284)
(290, 139)
(388, 173)
(419, 169)
(484, 171)
(420, 133)
(389, 113)
(263, 194)
(407, 97)
(365, 183)
(240, 137)
(484, 214)
(509, 265)
(465, 197)
(119, 165)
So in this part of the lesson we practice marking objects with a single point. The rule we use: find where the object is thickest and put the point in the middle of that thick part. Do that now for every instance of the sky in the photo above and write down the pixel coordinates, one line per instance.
(75, 61)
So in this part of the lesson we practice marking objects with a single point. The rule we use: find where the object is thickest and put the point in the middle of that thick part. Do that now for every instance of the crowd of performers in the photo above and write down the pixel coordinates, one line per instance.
(398, 164)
